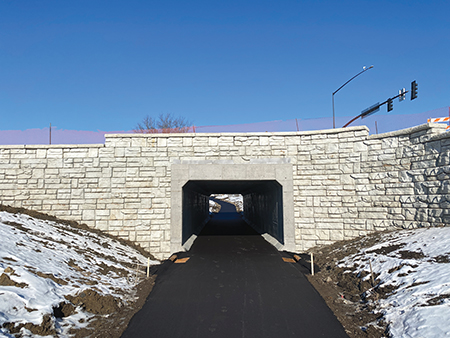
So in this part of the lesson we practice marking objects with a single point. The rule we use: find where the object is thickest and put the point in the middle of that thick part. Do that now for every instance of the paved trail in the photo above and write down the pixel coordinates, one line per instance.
(233, 285)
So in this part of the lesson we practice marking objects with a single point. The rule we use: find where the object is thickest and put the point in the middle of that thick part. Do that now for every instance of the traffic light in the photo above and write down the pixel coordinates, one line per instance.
(414, 90)
(390, 105)
(402, 95)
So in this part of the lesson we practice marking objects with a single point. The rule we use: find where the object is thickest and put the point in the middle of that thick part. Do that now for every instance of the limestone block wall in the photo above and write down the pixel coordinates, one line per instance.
(345, 182)
(388, 181)
(405, 177)
(323, 186)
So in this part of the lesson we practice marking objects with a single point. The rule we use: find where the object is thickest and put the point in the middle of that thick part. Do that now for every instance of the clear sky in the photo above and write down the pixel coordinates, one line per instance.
(104, 65)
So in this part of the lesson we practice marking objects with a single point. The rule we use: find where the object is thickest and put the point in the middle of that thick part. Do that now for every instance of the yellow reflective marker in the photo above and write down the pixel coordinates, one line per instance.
(288, 260)
(182, 260)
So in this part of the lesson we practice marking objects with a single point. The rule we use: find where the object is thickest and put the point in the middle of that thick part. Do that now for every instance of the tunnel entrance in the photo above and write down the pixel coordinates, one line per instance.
(267, 187)
(262, 209)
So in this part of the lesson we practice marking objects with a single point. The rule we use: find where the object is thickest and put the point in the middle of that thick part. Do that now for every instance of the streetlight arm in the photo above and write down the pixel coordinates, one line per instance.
(352, 79)
(332, 96)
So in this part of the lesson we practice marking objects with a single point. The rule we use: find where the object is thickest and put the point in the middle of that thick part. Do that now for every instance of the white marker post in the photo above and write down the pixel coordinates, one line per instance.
(312, 263)
(371, 273)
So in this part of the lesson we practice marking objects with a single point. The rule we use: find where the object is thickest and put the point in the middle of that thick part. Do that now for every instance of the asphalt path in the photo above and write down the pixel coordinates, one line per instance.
(235, 284)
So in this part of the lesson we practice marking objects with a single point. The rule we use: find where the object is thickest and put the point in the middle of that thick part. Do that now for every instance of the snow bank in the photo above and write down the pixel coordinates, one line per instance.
(416, 263)
(235, 199)
(42, 262)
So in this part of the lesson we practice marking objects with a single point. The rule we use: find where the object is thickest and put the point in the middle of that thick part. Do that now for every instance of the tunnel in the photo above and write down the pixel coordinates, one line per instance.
(267, 187)
(263, 206)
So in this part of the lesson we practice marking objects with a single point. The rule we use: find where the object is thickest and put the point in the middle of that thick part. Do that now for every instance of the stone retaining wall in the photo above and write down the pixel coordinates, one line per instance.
(345, 182)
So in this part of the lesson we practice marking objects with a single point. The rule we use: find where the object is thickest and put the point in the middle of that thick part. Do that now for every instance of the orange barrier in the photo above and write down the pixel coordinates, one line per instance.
(440, 119)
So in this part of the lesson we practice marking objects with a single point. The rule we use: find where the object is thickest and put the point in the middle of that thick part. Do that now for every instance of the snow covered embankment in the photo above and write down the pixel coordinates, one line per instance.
(54, 277)
(235, 199)
(413, 266)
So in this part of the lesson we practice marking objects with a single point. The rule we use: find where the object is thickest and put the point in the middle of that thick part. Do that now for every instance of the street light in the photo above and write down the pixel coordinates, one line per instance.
(332, 96)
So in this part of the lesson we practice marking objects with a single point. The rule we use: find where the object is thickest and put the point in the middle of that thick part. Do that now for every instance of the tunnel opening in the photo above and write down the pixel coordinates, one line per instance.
(262, 209)
(228, 221)
(215, 202)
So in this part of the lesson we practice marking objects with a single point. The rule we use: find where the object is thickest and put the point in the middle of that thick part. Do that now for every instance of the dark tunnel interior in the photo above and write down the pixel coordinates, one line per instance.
(263, 205)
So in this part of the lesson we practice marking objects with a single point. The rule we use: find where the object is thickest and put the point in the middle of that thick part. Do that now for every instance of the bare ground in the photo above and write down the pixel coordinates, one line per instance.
(343, 293)
(111, 315)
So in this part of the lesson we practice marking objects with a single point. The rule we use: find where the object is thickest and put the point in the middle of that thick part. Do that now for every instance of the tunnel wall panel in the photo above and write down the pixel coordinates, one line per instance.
(195, 212)
(263, 209)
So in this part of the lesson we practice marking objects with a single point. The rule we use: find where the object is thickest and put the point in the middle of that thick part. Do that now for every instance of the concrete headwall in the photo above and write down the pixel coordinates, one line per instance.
(336, 184)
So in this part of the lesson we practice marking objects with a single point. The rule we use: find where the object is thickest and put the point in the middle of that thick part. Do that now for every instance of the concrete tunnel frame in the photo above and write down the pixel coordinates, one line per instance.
(280, 171)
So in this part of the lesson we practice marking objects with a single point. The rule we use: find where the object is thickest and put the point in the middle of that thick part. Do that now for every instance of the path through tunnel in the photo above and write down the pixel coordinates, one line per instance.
(263, 210)
(232, 282)
(227, 222)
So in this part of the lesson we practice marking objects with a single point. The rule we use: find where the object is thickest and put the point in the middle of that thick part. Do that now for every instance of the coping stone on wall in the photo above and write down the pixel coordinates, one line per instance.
(295, 133)
(438, 128)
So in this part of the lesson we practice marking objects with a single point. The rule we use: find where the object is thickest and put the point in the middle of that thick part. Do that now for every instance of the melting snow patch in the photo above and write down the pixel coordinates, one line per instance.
(43, 264)
(416, 264)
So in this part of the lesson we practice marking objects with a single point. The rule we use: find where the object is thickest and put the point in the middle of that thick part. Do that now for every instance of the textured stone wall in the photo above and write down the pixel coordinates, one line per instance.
(388, 181)
(345, 183)
(408, 175)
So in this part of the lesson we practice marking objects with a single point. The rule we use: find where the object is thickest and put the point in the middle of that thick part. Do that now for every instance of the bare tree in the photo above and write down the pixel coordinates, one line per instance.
(164, 123)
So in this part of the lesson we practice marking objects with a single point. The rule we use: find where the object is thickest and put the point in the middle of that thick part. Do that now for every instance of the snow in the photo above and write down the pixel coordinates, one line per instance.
(235, 199)
(73, 256)
(415, 308)
(418, 307)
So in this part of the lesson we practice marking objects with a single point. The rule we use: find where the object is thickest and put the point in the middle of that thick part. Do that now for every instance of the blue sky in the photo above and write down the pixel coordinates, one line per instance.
(104, 65)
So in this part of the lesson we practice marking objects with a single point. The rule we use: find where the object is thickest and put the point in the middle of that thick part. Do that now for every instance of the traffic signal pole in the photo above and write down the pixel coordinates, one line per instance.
(389, 102)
